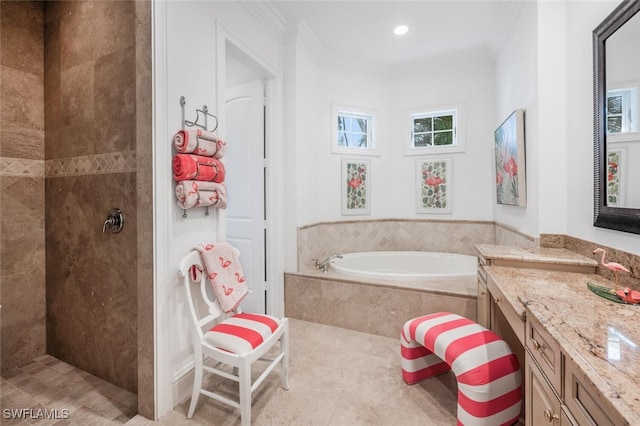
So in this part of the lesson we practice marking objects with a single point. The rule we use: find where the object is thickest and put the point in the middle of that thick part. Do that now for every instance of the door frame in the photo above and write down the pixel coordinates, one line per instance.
(274, 153)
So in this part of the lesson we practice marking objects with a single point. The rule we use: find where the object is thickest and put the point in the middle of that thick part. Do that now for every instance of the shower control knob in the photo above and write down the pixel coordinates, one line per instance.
(114, 222)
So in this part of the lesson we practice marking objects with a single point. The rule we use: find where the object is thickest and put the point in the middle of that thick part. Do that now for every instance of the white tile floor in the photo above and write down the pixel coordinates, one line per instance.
(338, 377)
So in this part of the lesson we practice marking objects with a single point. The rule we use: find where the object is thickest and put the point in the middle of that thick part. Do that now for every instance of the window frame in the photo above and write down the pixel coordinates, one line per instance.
(357, 112)
(458, 144)
(629, 114)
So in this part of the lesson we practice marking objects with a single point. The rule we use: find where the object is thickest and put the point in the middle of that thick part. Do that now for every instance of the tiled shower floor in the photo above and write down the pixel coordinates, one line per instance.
(338, 377)
(47, 387)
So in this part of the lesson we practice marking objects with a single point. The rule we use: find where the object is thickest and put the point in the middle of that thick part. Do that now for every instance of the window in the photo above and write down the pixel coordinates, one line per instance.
(622, 111)
(434, 131)
(353, 130)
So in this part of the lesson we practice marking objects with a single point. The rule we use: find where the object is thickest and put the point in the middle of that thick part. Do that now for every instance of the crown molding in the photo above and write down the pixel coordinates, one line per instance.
(298, 32)
(503, 24)
(269, 16)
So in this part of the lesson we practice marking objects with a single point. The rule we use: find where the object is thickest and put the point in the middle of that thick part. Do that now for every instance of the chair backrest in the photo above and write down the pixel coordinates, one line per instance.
(204, 308)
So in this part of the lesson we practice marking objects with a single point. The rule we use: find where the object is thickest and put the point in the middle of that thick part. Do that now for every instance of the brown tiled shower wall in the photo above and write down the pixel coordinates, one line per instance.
(69, 68)
(22, 124)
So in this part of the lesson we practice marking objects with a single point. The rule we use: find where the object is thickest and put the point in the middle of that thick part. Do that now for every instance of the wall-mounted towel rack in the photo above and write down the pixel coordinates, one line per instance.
(205, 116)
(200, 113)
(206, 212)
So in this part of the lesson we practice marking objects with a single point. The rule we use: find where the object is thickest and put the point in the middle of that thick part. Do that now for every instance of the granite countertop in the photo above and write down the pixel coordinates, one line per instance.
(601, 337)
(535, 254)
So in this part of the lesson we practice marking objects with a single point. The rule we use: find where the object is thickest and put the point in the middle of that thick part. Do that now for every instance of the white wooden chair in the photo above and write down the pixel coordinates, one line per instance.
(237, 340)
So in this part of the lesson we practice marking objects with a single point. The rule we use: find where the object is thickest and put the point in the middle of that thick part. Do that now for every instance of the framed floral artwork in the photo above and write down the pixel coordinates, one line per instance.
(615, 177)
(356, 186)
(511, 186)
(433, 185)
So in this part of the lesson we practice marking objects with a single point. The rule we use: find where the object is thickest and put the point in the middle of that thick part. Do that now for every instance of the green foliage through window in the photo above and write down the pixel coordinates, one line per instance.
(433, 129)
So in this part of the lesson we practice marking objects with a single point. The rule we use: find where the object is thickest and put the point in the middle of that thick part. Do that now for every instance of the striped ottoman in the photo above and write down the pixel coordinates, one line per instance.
(487, 372)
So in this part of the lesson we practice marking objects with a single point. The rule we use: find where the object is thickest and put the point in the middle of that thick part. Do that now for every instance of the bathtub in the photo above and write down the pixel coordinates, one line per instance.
(399, 265)
(377, 292)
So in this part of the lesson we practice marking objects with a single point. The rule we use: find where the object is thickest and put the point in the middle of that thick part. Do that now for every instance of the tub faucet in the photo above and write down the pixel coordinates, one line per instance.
(324, 265)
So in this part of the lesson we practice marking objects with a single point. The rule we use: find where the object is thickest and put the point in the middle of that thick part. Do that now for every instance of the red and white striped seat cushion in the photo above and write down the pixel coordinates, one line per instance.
(242, 333)
(487, 372)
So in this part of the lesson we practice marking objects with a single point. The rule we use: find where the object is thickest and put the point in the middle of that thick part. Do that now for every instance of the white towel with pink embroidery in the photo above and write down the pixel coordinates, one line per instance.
(192, 193)
(199, 142)
(222, 262)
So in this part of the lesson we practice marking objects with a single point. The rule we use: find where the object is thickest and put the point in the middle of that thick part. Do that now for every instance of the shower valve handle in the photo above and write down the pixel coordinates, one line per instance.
(114, 222)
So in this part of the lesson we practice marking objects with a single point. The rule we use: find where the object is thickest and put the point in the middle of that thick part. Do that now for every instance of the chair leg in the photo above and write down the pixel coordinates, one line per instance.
(284, 347)
(197, 385)
(245, 392)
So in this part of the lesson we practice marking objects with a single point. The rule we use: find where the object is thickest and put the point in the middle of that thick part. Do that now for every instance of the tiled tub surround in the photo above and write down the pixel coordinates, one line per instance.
(319, 240)
(382, 306)
(372, 306)
(584, 326)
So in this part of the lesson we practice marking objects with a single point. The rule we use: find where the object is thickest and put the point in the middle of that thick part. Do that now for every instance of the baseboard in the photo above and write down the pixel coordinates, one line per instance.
(183, 384)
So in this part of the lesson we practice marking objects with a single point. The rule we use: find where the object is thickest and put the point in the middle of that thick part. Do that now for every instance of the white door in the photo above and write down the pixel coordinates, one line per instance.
(245, 181)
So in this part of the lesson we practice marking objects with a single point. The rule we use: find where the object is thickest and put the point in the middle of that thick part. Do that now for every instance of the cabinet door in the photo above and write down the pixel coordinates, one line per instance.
(542, 406)
(587, 405)
(565, 417)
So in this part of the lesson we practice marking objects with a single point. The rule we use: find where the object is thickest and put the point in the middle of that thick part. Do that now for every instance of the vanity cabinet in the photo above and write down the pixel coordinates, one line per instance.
(585, 402)
(542, 404)
(545, 351)
(556, 391)
(543, 378)
(553, 333)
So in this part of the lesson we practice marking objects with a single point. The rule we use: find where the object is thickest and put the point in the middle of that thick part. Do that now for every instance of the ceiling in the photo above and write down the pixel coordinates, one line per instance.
(362, 31)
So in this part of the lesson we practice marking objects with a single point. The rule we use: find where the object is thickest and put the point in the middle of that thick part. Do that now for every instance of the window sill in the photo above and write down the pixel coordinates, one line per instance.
(434, 150)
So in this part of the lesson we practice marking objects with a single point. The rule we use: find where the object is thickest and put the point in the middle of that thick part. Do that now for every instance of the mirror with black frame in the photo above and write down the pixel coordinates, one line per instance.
(616, 60)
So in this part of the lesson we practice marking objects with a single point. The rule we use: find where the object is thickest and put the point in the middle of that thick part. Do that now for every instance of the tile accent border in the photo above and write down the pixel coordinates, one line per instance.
(115, 162)
(21, 167)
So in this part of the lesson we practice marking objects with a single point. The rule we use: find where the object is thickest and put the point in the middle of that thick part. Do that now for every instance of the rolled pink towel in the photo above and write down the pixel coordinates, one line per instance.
(197, 167)
(199, 142)
(191, 193)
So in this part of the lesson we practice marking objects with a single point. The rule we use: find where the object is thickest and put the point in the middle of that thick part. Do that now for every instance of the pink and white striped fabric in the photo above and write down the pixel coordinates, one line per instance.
(241, 333)
(488, 373)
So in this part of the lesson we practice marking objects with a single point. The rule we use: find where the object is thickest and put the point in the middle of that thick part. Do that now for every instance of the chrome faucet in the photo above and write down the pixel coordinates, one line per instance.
(324, 265)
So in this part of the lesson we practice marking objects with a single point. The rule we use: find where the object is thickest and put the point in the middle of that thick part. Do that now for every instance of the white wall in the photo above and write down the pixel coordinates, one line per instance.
(546, 68)
(582, 18)
(472, 87)
(517, 87)
(393, 191)
(552, 170)
(185, 64)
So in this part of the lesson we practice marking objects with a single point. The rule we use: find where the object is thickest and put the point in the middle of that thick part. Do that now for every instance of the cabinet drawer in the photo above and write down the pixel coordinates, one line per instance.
(545, 351)
(542, 405)
(585, 402)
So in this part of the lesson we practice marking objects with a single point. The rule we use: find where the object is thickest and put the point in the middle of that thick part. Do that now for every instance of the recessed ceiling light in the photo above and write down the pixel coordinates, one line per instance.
(400, 30)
